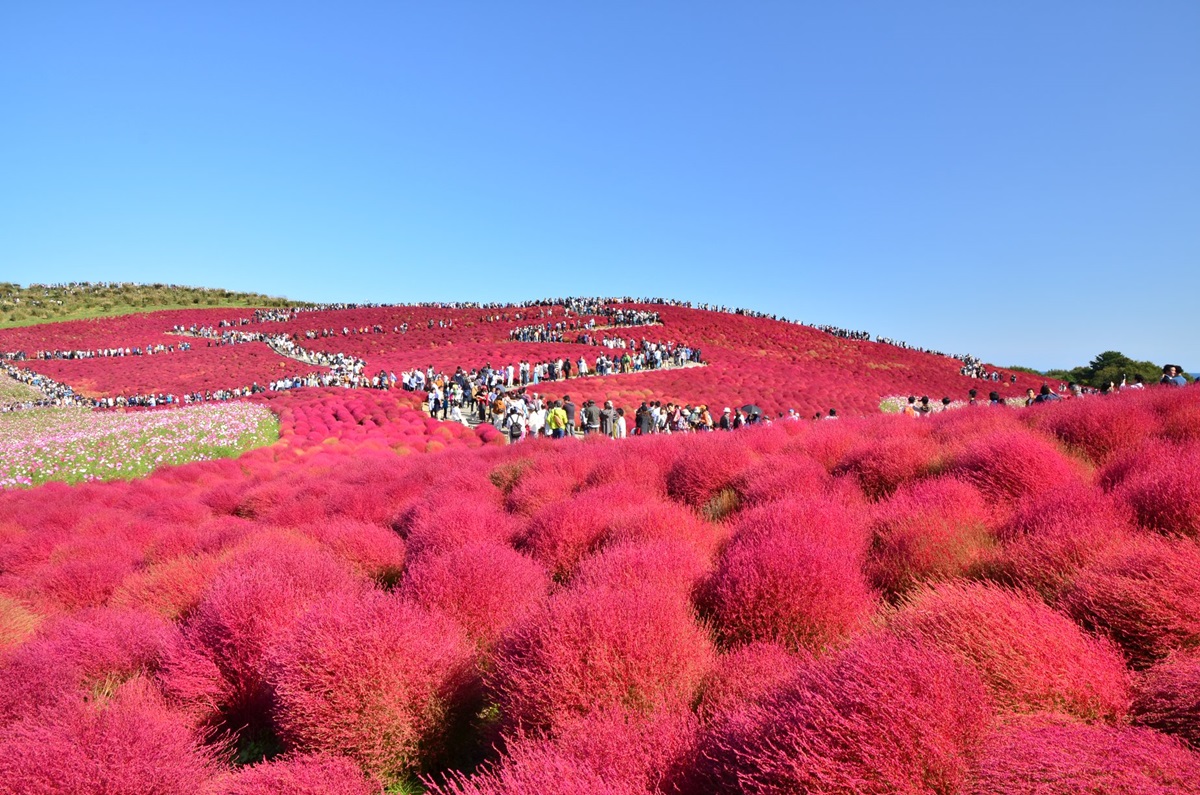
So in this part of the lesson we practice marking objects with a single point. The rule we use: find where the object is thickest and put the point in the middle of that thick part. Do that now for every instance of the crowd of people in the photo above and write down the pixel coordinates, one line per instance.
(99, 353)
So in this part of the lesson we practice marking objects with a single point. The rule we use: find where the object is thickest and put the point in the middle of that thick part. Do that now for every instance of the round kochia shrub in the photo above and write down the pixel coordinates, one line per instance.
(1072, 759)
(1031, 658)
(130, 743)
(670, 565)
(1008, 465)
(746, 674)
(308, 774)
(372, 677)
(706, 465)
(1098, 428)
(1167, 698)
(1145, 596)
(485, 587)
(791, 574)
(882, 464)
(1162, 487)
(1051, 536)
(883, 716)
(929, 531)
(598, 648)
(253, 602)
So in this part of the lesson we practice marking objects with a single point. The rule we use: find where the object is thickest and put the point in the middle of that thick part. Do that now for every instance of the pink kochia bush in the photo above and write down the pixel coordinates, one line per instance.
(485, 587)
(929, 531)
(609, 752)
(1009, 465)
(1161, 484)
(792, 574)
(1167, 698)
(306, 774)
(1054, 758)
(1030, 658)
(129, 743)
(1145, 596)
(597, 648)
(372, 677)
(881, 717)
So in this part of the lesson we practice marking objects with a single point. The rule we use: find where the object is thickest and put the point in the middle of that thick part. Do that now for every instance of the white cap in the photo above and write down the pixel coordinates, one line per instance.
(726, 411)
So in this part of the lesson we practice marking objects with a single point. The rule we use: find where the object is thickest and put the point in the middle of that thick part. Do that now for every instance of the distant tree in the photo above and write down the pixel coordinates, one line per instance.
(1109, 366)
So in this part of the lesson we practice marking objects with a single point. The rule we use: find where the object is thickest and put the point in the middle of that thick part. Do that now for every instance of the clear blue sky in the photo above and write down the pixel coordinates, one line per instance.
(1018, 180)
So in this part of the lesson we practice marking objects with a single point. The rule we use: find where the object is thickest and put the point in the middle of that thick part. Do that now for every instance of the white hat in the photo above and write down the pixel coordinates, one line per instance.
(726, 411)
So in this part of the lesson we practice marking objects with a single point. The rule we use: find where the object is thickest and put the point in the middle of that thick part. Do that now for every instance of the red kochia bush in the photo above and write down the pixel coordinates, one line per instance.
(1009, 465)
(599, 648)
(171, 589)
(16, 623)
(1052, 535)
(1099, 428)
(779, 477)
(310, 774)
(883, 716)
(254, 601)
(129, 744)
(706, 465)
(883, 463)
(1163, 489)
(669, 565)
(928, 532)
(369, 549)
(1145, 596)
(372, 677)
(609, 752)
(1070, 759)
(76, 657)
(454, 521)
(485, 587)
(561, 533)
(1167, 698)
(791, 574)
(746, 674)
(1031, 658)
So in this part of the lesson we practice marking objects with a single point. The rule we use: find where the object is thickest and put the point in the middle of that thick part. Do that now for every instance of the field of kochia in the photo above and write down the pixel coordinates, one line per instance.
(988, 600)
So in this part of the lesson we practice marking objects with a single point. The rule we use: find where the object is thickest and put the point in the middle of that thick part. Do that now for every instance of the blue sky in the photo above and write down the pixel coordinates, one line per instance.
(1016, 180)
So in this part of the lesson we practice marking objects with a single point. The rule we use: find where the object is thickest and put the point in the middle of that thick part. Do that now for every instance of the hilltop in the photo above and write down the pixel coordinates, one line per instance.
(46, 303)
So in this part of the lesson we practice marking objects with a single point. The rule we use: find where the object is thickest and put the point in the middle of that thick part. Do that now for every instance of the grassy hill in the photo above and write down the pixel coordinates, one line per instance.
(41, 303)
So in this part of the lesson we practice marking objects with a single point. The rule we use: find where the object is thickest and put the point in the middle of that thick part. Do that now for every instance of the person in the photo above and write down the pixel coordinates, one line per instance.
(832, 414)
(910, 410)
(1139, 382)
(569, 408)
(726, 424)
(619, 429)
(556, 420)
(1172, 377)
(1030, 396)
(608, 418)
(994, 399)
(643, 419)
(516, 426)
(924, 409)
(971, 393)
(1046, 395)
(1076, 390)
(945, 403)
(592, 413)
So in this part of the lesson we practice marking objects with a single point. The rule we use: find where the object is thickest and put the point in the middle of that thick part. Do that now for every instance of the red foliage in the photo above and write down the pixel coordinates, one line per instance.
(666, 564)
(610, 752)
(883, 716)
(1098, 428)
(888, 460)
(1167, 698)
(1012, 464)
(779, 477)
(1145, 596)
(252, 603)
(128, 744)
(1053, 535)
(706, 465)
(485, 587)
(928, 532)
(369, 549)
(77, 657)
(1070, 759)
(455, 522)
(597, 648)
(1031, 658)
(791, 574)
(746, 674)
(1163, 488)
(562, 532)
(171, 589)
(372, 677)
(307, 774)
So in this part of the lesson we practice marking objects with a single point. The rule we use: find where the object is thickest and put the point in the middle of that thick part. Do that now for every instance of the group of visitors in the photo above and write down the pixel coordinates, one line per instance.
(99, 353)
